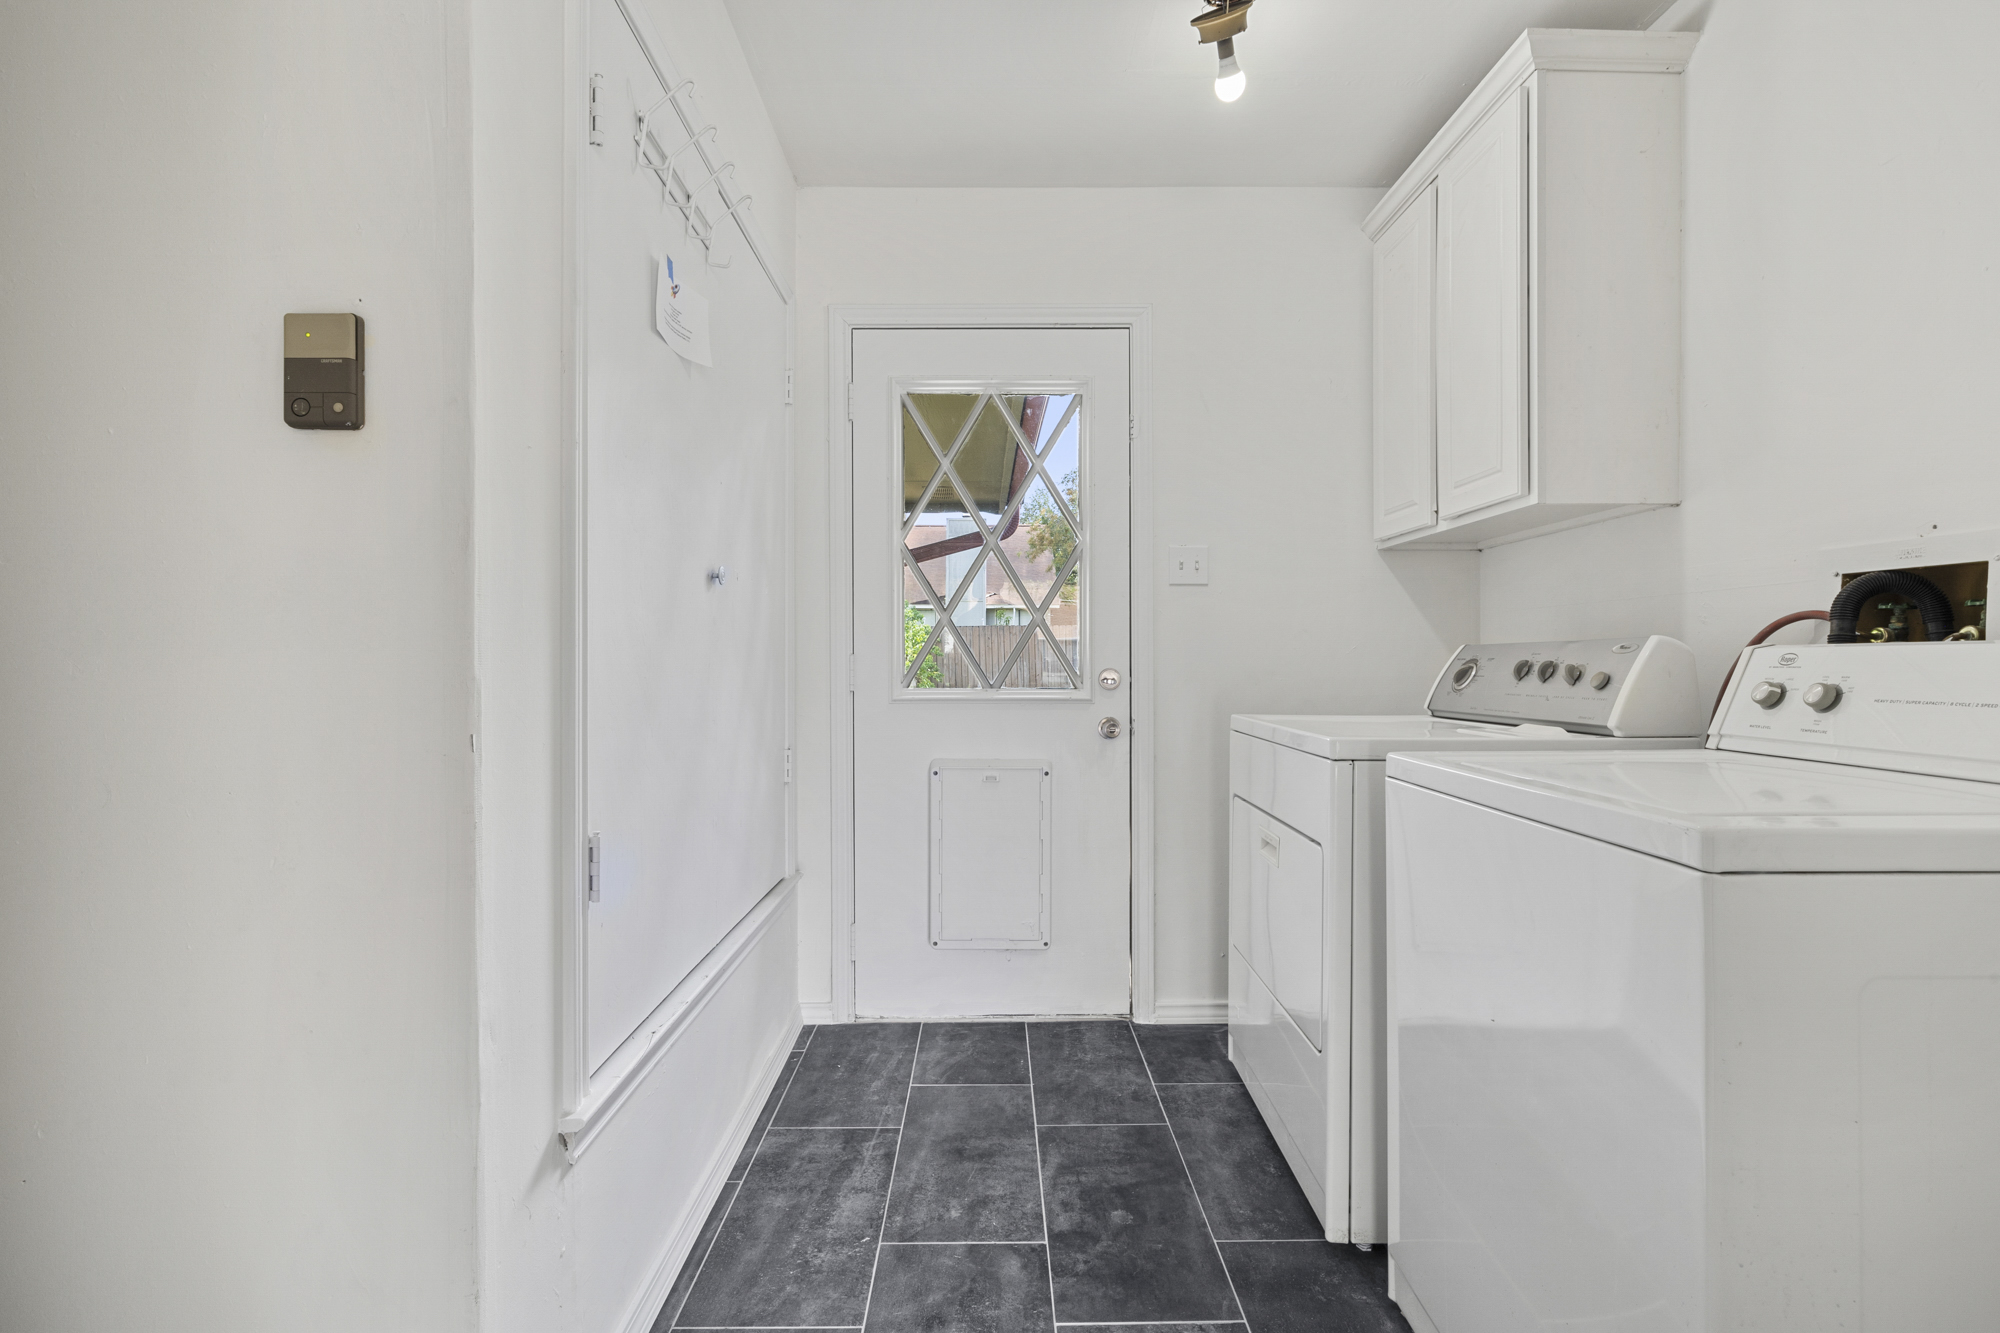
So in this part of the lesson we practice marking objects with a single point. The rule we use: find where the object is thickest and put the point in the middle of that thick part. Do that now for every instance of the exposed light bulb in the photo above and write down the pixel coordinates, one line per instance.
(1229, 79)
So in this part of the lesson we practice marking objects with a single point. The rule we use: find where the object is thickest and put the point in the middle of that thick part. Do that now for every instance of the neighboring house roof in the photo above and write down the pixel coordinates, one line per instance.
(999, 590)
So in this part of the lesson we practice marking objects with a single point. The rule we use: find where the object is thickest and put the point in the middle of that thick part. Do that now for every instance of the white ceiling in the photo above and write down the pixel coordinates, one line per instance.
(1118, 92)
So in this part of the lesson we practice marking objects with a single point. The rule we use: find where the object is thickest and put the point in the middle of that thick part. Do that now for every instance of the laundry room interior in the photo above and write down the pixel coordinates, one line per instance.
(999, 666)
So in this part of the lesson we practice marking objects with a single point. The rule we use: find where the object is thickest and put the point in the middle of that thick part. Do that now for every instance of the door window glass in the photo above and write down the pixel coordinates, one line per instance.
(992, 540)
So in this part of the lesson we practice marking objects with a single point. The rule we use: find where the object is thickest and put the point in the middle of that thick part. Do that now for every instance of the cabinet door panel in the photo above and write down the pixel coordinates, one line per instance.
(1482, 257)
(1405, 414)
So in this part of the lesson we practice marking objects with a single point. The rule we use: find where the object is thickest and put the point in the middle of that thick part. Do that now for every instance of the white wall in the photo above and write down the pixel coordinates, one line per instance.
(1260, 445)
(237, 1064)
(575, 1247)
(1840, 330)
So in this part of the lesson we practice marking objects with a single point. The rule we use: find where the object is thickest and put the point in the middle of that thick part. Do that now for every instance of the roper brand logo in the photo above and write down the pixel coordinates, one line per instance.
(1788, 659)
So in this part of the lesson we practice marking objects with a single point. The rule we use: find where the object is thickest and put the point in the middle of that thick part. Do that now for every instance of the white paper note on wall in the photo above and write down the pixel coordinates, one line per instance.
(681, 314)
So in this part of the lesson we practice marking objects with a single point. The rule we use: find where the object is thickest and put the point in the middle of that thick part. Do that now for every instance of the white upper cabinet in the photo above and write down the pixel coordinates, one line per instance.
(1527, 299)
(1482, 326)
(1405, 405)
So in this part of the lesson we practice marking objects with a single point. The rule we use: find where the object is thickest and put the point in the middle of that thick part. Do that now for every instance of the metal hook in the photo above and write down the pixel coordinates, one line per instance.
(666, 164)
(695, 192)
(672, 93)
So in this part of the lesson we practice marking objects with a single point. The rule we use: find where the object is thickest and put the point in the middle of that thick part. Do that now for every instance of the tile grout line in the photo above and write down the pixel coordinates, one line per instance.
(901, 1243)
(1193, 1189)
(1212, 1083)
(1104, 1124)
(1041, 1190)
(724, 1220)
(882, 1229)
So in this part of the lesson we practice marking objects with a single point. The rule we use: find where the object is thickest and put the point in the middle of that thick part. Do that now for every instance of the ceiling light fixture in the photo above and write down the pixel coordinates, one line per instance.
(1220, 26)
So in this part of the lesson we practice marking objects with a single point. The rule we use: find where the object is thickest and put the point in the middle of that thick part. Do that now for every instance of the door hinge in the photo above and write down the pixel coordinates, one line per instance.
(850, 673)
(788, 765)
(597, 108)
(788, 384)
(1131, 430)
(850, 402)
(593, 867)
(852, 938)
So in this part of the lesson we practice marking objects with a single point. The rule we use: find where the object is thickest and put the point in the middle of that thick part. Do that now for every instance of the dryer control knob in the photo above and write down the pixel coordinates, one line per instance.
(1600, 680)
(1822, 697)
(1523, 669)
(1572, 673)
(1466, 671)
(1547, 671)
(1767, 694)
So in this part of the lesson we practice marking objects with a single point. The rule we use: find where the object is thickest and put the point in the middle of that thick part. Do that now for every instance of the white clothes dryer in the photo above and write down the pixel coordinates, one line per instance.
(1707, 1040)
(1306, 879)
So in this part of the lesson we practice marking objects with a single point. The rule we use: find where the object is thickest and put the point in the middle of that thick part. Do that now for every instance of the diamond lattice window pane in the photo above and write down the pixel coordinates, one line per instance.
(1045, 539)
(988, 462)
(945, 415)
(921, 642)
(1059, 417)
(989, 532)
(943, 530)
(1039, 667)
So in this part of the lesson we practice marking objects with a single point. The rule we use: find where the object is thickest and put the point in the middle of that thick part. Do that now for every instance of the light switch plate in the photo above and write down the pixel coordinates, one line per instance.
(1187, 564)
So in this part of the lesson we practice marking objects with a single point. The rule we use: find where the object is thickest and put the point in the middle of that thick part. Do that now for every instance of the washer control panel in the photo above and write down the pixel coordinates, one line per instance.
(1640, 686)
(1914, 707)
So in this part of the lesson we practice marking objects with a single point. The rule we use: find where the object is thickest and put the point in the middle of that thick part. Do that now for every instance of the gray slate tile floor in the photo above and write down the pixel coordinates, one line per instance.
(1018, 1178)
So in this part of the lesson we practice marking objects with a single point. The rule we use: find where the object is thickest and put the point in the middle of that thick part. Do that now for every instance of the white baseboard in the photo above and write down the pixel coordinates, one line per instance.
(1190, 1011)
(681, 1244)
(816, 1013)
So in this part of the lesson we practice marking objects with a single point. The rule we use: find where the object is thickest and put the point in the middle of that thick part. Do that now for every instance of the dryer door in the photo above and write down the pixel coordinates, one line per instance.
(1286, 872)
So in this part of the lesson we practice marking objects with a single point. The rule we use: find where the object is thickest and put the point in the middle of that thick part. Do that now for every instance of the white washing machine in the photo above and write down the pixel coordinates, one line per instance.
(1708, 1040)
(1306, 880)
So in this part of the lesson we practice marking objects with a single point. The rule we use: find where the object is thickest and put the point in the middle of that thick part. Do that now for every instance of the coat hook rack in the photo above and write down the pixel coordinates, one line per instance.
(701, 141)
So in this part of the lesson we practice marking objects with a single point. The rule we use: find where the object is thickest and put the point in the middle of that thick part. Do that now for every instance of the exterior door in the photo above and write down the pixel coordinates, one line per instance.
(991, 633)
(1482, 294)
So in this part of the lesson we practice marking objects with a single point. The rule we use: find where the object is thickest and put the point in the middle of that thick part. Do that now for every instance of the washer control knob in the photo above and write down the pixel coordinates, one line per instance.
(1822, 698)
(1462, 676)
(1547, 671)
(1767, 694)
(1572, 673)
(1600, 680)
(1523, 669)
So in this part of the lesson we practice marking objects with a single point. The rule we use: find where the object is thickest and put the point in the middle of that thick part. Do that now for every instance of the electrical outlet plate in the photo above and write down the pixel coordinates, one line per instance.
(1187, 564)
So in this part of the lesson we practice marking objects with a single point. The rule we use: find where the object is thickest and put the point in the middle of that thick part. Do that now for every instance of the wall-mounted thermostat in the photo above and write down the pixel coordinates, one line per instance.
(324, 376)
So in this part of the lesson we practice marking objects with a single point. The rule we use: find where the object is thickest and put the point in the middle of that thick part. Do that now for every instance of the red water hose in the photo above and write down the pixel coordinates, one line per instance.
(1759, 637)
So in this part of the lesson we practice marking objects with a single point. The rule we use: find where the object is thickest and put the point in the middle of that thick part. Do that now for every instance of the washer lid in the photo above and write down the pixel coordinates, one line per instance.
(1368, 737)
(1734, 813)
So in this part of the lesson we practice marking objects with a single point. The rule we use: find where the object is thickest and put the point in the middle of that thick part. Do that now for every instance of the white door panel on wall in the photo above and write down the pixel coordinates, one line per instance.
(685, 682)
(1482, 425)
(992, 572)
(1405, 415)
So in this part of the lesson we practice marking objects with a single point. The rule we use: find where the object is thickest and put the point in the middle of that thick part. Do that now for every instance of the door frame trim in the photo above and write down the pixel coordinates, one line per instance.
(843, 321)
